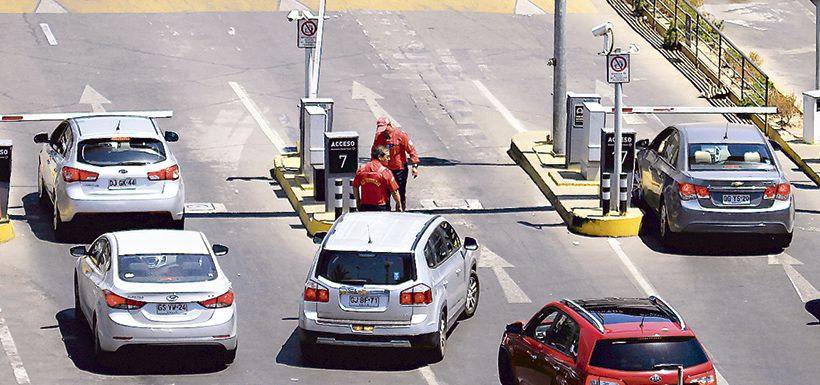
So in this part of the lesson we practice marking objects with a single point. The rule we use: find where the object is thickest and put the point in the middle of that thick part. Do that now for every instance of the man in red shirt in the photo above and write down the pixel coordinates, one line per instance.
(376, 181)
(399, 145)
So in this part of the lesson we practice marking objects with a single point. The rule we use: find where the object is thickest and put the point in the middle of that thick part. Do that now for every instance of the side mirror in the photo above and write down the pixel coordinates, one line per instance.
(41, 137)
(470, 244)
(79, 251)
(642, 144)
(516, 327)
(776, 146)
(219, 250)
(171, 136)
(319, 237)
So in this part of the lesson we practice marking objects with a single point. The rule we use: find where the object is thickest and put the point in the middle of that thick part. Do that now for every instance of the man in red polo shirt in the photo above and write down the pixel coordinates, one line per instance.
(376, 182)
(399, 144)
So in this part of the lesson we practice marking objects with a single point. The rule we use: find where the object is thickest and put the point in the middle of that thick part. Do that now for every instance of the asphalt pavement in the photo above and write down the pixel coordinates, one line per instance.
(436, 73)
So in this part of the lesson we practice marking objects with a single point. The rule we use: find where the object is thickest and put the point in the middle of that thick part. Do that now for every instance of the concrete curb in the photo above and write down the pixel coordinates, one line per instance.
(582, 215)
(288, 180)
(6, 231)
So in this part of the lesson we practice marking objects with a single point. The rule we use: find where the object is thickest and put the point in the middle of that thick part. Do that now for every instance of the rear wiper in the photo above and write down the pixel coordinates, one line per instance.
(354, 281)
(667, 366)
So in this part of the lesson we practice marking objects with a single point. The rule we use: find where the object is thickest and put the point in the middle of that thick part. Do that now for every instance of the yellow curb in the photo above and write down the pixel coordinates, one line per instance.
(576, 213)
(308, 220)
(6, 231)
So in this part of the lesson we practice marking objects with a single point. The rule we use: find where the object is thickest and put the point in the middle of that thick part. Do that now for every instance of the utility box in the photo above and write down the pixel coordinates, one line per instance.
(607, 136)
(313, 148)
(575, 126)
(594, 120)
(305, 134)
(5, 178)
(811, 116)
(341, 162)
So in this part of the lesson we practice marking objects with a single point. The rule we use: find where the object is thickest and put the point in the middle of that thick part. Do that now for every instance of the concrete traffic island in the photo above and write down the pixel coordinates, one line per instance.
(575, 199)
(6, 231)
(300, 194)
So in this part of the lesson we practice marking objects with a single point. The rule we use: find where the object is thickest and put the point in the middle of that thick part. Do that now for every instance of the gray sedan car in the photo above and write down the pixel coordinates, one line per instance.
(713, 177)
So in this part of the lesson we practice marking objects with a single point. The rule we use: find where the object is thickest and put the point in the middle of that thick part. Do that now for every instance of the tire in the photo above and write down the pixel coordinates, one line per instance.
(178, 225)
(473, 293)
(783, 240)
(79, 316)
(228, 356)
(62, 229)
(103, 357)
(505, 372)
(664, 232)
(440, 343)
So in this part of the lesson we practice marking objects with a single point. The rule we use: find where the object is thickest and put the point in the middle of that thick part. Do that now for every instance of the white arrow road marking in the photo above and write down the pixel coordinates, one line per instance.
(92, 97)
(260, 120)
(49, 36)
(511, 290)
(428, 375)
(804, 288)
(361, 92)
(287, 5)
(526, 7)
(49, 6)
(511, 119)
(646, 286)
(11, 352)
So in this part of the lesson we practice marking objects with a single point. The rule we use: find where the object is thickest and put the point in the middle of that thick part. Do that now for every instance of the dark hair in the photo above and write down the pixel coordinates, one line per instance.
(378, 151)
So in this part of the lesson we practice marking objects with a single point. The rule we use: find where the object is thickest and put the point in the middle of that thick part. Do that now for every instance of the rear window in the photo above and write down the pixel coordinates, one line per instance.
(730, 157)
(365, 268)
(159, 268)
(120, 151)
(646, 354)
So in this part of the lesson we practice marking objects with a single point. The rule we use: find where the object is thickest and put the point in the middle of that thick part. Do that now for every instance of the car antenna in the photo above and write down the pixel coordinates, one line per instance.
(642, 318)
(726, 133)
(369, 241)
(118, 125)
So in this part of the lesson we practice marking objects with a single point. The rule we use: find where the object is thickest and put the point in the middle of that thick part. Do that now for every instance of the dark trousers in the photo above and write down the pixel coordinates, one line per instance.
(401, 180)
(384, 207)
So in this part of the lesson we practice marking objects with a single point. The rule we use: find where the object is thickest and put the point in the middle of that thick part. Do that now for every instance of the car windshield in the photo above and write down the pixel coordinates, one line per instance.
(160, 268)
(120, 151)
(646, 354)
(365, 267)
(730, 157)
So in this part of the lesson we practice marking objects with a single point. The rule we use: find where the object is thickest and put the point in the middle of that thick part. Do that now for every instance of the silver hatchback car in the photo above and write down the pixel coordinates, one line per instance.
(709, 177)
(388, 280)
(109, 165)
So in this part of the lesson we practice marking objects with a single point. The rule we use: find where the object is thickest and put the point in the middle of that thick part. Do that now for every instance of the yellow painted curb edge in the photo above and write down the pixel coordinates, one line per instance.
(6, 231)
(311, 225)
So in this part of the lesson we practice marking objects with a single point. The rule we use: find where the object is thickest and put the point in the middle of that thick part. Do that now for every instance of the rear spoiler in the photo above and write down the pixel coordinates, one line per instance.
(60, 116)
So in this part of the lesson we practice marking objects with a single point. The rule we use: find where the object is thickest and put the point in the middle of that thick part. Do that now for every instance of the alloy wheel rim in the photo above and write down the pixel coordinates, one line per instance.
(663, 221)
(442, 335)
(471, 294)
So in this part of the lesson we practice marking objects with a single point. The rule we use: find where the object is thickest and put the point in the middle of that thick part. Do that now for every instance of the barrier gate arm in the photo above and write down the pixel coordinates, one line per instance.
(60, 116)
(692, 110)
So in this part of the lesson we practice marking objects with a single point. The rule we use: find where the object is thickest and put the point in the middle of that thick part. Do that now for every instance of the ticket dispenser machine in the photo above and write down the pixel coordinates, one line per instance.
(5, 178)
(314, 136)
(593, 121)
(811, 116)
(341, 162)
(575, 126)
(313, 147)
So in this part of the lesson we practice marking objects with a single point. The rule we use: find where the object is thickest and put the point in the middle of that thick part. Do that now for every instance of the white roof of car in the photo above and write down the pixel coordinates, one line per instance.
(377, 231)
(160, 242)
(101, 126)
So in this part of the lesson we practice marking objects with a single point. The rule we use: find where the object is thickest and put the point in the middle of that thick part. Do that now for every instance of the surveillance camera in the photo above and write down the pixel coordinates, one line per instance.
(294, 15)
(602, 29)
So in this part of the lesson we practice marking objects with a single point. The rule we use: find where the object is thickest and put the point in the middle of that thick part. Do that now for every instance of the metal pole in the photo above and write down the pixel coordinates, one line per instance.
(559, 81)
(308, 56)
(618, 145)
(317, 58)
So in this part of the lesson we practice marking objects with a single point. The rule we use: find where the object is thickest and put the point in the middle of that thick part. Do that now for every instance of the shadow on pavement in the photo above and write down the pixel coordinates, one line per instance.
(128, 360)
(813, 307)
(430, 161)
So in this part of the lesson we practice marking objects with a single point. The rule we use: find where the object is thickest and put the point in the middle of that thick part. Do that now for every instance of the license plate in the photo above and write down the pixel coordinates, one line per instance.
(122, 184)
(172, 308)
(364, 301)
(736, 199)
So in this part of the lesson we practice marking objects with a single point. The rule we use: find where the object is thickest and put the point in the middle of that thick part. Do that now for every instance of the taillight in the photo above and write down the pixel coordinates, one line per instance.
(595, 380)
(420, 294)
(707, 378)
(169, 173)
(781, 192)
(690, 191)
(71, 174)
(315, 292)
(117, 302)
(223, 300)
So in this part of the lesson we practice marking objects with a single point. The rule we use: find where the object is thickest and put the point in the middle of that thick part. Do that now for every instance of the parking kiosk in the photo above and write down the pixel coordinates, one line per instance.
(341, 162)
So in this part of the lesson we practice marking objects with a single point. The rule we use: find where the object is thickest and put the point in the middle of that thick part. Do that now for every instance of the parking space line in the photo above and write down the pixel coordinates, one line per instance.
(273, 136)
(644, 284)
(428, 375)
(11, 352)
(47, 31)
(511, 119)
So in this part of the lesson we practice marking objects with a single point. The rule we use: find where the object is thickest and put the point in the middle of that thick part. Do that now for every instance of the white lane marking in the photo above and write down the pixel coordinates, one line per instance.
(47, 31)
(360, 92)
(49, 6)
(260, 120)
(512, 291)
(11, 352)
(94, 98)
(646, 286)
(526, 7)
(802, 286)
(428, 375)
(500, 107)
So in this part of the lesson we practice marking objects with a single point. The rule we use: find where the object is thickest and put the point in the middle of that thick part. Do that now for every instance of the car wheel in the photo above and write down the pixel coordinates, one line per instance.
(440, 343)
(229, 355)
(505, 372)
(103, 357)
(78, 310)
(666, 234)
(783, 240)
(473, 288)
(61, 229)
(178, 225)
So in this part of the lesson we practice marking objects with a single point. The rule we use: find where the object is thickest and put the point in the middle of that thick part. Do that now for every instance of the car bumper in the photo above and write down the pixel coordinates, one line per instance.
(73, 202)
(689, 216)
(367, 340)
(114, 335)
(384, 334)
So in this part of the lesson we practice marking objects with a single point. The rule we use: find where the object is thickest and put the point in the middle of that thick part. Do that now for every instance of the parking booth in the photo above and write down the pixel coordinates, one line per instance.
(341, 163)
(619, 187)
(315, 118)
(576, 124)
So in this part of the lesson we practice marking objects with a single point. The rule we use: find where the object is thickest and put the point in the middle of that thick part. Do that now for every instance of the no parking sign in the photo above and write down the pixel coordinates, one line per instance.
(617, 68)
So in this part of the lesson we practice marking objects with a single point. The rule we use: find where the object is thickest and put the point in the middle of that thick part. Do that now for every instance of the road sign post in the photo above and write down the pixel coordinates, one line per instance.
(617, 72)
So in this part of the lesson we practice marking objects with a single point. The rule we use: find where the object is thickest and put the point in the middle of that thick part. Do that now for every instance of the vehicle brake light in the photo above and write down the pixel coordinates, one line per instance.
(12, 117)
(707, 378)
(117, 302)
(595, 380)
(223, 300)
(170, 173)
(315, 292)
(690, 191)
(780, 192)
(71, 174)
(420, 294)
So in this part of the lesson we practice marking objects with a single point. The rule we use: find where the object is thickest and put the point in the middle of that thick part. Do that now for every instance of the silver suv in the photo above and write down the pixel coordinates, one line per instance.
(388, 280)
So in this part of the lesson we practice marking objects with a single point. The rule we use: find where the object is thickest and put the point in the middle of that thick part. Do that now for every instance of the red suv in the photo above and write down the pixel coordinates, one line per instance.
(609, 341)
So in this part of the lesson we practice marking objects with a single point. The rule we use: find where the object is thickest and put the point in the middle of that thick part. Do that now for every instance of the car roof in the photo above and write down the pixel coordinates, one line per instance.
(377, 231)
(160, 242)
(715, 133)
(102, 126)
(633, 317)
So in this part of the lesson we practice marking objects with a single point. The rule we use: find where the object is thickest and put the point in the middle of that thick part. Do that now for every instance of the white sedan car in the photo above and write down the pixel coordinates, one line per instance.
(154, 287)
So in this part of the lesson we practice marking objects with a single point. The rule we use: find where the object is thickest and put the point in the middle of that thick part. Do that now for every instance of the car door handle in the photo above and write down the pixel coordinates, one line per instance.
(458, 271)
